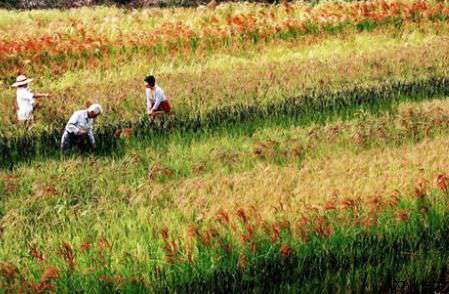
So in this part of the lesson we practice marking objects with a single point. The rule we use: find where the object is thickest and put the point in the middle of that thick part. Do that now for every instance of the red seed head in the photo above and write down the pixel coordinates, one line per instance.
(222, 217)
(164, 233)
(443, 182)
(34, 251)
(421, 188)
(85, 246)
(51, 273)
(68, 254)
(330, 205)
(242, 215)
(192, 231)
(401, 216)
(285, 250)
(276, 232)
(9, 271)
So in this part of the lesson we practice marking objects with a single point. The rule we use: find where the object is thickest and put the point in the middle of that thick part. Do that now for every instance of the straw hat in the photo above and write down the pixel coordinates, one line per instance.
(21, 80)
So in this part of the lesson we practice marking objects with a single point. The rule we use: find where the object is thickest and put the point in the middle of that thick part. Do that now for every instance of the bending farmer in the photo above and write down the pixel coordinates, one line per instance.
(25, 101)
(79, 129)
(157, 103)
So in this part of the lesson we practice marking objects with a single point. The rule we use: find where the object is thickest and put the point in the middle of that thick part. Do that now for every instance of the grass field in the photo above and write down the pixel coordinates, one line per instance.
(308, 150)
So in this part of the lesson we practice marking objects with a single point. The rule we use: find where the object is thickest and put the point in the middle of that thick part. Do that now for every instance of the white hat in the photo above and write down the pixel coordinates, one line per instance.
(21, 80)
(96, 108)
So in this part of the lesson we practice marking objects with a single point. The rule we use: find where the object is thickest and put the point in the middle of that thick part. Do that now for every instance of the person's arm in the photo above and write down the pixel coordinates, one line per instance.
(90, 135)
(149, 102)
(33, 101)
(159, 97)
(14, 103)
(36, 98)
(72, 125)
(40, 95)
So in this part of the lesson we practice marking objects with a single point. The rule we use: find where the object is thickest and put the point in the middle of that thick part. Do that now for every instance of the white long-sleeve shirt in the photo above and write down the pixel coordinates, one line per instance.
(153, 101)
(79, 124)
(25, 103)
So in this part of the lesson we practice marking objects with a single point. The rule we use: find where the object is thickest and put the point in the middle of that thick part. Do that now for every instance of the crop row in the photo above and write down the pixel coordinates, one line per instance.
(269, 250)
(310, 107)
(201, 172)
(61, 51)
(212, 82)
(411, 122)
(360, 244)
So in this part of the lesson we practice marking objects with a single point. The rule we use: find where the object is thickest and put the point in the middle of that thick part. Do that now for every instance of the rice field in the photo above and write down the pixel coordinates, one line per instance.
(308, 150)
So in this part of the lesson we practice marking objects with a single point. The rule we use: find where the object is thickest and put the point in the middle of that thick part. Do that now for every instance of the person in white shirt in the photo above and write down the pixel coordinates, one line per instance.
(79, 128)
(25, 100)
(157, 102)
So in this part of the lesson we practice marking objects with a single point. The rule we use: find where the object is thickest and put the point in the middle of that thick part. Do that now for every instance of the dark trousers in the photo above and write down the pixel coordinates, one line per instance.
(70, 141)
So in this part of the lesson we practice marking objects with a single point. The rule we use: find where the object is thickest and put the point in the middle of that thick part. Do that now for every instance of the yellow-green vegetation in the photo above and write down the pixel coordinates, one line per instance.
(304, 162)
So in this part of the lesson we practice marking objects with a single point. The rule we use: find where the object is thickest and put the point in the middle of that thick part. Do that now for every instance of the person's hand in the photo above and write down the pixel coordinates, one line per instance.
(82, 132)
(41, 95)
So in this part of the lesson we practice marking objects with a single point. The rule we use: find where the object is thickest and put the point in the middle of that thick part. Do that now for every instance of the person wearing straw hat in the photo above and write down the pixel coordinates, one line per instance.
(157, 102)
(25, 99)
(79, 129)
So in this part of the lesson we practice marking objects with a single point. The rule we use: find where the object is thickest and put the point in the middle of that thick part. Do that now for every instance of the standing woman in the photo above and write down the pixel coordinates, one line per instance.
(25, 100)
(157, 103)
